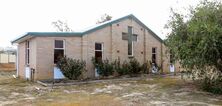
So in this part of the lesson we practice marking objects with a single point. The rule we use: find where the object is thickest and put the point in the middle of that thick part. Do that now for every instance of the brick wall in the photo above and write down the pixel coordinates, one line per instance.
(42, 49)
(45, 54)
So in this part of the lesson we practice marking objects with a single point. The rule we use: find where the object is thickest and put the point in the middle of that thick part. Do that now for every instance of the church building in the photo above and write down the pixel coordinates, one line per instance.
(122, 39)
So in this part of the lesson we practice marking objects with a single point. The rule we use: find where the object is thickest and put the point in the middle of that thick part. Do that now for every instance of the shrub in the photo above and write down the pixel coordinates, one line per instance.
(145, 68)
(212, 86)
(134, 67)
(71, 68)
(121, 69)
(104, 68)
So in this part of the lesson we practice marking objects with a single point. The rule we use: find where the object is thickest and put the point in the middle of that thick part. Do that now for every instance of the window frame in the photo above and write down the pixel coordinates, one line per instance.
(102, 45)
(154, 54)
(64, 52)
(27, 52)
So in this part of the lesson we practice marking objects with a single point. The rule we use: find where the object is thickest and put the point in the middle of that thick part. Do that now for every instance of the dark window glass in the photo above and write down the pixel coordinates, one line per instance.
(153, 55)
(27, 56)
(171, 57)
(58, 54)
(154, 58)
(98, 46)
(98, 56)
(124, 36)
(58, 43)
(134, 37)
(27, 52)
(153, 50)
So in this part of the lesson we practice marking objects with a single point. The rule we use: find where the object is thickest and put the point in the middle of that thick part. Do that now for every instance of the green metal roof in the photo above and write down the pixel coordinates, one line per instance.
(79, 34)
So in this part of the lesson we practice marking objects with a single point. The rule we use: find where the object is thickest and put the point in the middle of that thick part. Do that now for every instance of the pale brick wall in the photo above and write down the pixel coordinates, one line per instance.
(111, 36)
(42, 49)
(21, 60)
(45, 53)
(22, 56)
(101, 36)
(122, 45)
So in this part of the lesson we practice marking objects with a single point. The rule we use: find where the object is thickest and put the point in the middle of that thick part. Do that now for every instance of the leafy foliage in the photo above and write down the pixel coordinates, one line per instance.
(104, 18)
(104, 68)
(71, 68)
(121, 69)
(134, 67)
(196, 40)
(145, 67)
(61, 26)
(214, 86)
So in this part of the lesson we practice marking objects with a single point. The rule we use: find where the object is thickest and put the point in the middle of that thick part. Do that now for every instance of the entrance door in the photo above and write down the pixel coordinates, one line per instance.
(98, 55)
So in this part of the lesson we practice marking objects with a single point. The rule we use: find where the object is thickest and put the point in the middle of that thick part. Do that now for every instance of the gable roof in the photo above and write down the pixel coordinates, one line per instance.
(79, 34)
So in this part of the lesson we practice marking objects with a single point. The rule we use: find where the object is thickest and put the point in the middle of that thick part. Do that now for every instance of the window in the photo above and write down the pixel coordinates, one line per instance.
(27, 56)
(98, 52)
(171, 57)
(130, 41)
(134, 37)
(58, 50)
(153, 55)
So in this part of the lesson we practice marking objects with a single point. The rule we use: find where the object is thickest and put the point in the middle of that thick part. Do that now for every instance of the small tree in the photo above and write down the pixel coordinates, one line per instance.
(104, 18)
(196, 41)
(71, 68)
(61, 26)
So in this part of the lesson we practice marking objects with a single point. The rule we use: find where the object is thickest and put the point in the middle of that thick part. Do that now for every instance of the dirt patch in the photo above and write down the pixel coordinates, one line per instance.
(142, 92)
(7, 67)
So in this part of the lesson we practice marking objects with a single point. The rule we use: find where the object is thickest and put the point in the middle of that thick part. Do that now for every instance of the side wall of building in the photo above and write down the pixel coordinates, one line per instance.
(22, 62)
(114, 47)
(117, 48)
(88, 47)
(45, 54)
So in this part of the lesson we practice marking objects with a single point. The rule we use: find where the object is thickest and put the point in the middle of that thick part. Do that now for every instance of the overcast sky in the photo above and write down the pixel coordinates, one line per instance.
(20, 16)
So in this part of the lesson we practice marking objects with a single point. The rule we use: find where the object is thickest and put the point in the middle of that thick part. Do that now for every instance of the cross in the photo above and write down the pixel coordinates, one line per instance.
(130, 37)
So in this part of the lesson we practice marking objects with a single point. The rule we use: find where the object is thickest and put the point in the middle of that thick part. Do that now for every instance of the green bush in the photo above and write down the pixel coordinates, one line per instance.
(145, 67)
(121, 69)
(104, 68)
(134, 67)
(212, 86)
(71, 68)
